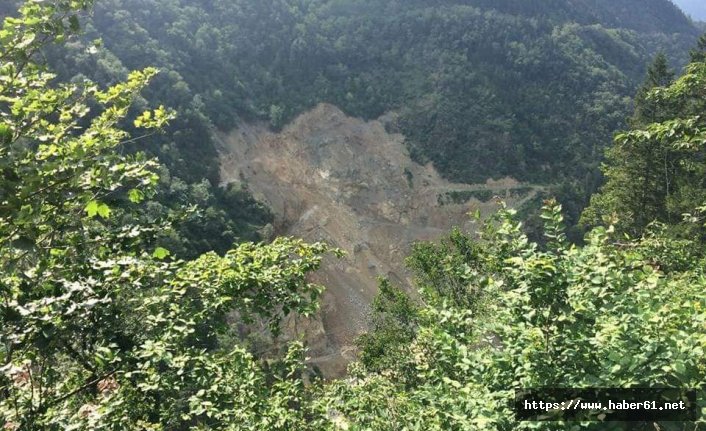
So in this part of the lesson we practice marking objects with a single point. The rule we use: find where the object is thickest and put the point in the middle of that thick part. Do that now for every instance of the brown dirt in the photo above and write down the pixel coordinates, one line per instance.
(330, 177)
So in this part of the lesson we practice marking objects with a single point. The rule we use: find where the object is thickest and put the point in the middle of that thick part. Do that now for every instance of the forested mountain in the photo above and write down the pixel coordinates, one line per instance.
(102, 329)
(483, 89)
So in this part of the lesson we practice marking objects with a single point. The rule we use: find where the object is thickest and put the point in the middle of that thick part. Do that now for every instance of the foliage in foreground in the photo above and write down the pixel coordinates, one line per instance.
(504, 313)
(100, 330)
(612, 313)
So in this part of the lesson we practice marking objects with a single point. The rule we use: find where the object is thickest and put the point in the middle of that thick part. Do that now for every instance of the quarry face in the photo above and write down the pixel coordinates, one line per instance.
(347, 182)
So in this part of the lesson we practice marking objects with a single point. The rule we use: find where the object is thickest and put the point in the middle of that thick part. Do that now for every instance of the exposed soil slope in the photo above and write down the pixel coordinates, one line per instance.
(329, 177)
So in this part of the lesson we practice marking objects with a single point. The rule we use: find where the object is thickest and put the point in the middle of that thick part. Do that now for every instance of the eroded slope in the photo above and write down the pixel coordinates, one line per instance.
(329, 177)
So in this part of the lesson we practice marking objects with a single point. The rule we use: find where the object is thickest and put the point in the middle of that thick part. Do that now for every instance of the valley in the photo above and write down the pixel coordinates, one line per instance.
(351, 215)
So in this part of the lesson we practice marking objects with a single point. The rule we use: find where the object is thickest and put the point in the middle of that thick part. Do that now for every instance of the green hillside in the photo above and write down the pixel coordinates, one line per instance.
(102, 328)
(483, 88)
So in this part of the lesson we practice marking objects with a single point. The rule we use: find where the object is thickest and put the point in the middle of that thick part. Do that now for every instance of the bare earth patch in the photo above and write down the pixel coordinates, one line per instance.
(330, 177)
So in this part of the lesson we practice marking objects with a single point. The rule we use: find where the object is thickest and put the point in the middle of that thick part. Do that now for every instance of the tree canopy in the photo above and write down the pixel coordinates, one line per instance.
(103, 328)
(99, 327)
(655, 171)
(531, 90)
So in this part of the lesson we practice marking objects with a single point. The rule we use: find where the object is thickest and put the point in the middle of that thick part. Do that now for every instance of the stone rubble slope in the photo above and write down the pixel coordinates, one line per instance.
(330, 177)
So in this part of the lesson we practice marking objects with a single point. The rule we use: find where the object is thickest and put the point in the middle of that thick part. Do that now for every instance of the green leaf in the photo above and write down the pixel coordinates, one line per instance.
(104, 210)
(160, 253)
(136, 196)
(5, 134)
(92, 208)
(27, 40)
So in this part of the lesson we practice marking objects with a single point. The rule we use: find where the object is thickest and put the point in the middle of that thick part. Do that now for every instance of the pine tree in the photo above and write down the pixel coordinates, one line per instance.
(658, 75)
(698, 54)
(654, 171)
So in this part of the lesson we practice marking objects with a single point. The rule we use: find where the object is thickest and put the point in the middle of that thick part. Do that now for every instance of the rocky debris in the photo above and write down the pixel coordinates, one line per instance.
(330, 177)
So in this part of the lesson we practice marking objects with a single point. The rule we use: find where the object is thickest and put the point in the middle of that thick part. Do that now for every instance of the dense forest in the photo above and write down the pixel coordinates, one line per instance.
(482, 88)
(102, 328)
